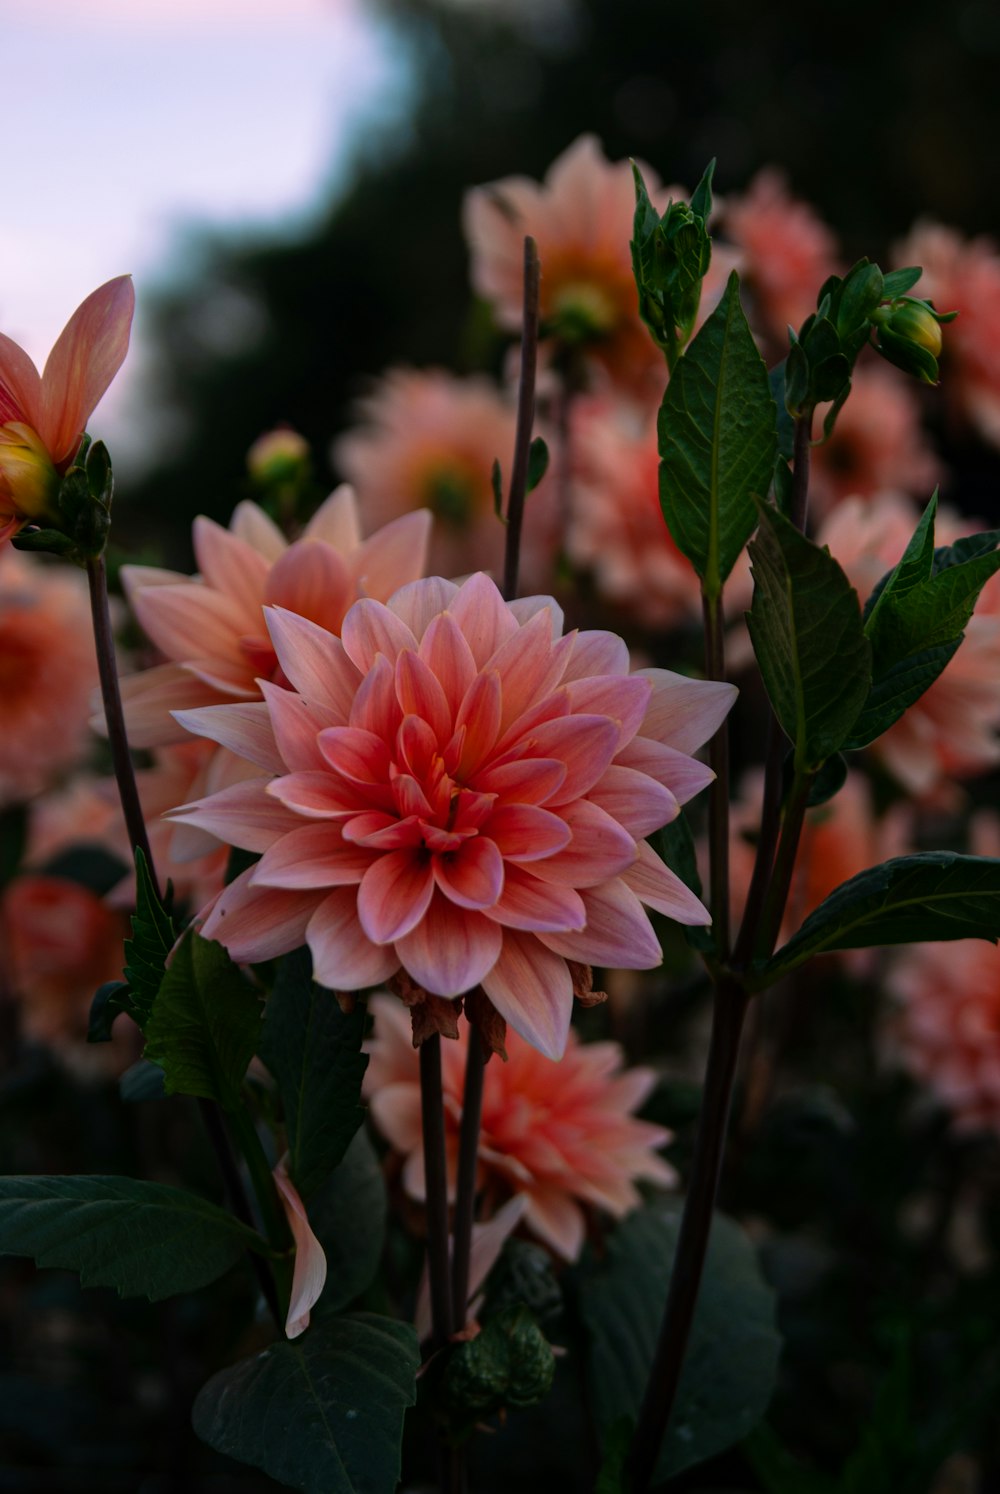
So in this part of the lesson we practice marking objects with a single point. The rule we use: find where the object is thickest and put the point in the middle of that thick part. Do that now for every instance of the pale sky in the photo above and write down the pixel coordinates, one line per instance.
(128, 121)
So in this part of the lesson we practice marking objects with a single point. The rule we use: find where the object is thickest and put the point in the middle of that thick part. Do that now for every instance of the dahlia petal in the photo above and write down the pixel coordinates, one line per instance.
(233, 679)
(87, 354)
(618, 934)
(483, 616)
(20, 385)
(244, 727)
(258, 923)
(529, 665)
(297, 724)
(451, 949)
(395, 893)
(532, 780)
(314, 855)
(586, 744)
(472, 875)
(312, 580)
(149, 699)
(309, 1268)
(419, 602)
(370, 629)
(597, 652)
(531, 988)
(535, 906)
(383, 832)
(478, 715)
(344, 958)
(420, 694)
(317, 795)
(191, 621)
(355, 754)
(243, 815)
(685, 713)
(313, 661)
(638, 803)
(394, 555)
(488, 1240)
(261, 533)
(410, 797)
(684, 776)
(449, 658)
(336, 521)
(395, 1108)
(417, 745)
(518, 737)
(598, 849)
(228, 564)
(660, 888)
(625, 698)
(523, 832)
(375, 707)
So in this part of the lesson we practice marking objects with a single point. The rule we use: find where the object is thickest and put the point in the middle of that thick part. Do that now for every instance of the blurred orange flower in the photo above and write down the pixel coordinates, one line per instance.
(788, 251)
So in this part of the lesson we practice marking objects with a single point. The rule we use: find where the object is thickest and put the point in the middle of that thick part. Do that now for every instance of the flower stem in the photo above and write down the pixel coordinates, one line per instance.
(718, 802)
(784, 865)
(525, 420)
(468, 1158)
(436, 1176)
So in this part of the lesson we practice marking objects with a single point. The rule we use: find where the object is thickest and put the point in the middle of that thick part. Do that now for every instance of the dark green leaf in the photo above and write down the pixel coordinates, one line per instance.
(348, 1214)
(617, 1439)
(143, 1081)
(496, 482)
(967, 548)
(805, 624)
(538, 463)
(314, 1052)
(717, 441)
(862, 290)
(933, 896)
(786, 425)
(828, 781)
(675, 845)
(153, 936)
(205, 1025)
(109, 1000)
(898, 282)
(323, 1414)
(145, 1239)
(701, 197)
(732, 1358)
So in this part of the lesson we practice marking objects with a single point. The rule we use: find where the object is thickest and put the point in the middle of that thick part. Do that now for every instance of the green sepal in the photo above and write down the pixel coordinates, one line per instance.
(670, 257)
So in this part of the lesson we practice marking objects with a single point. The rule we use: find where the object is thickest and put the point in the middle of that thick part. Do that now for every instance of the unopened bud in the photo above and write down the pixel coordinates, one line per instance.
(279, 456)
(916, 323)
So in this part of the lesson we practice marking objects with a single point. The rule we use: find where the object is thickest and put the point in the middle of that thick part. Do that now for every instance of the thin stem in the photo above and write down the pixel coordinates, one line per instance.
(436, 1176)
(525, 420)
(798, 508)
(104, 640)
(692, 1243)
(718, 803)
(468, 1159)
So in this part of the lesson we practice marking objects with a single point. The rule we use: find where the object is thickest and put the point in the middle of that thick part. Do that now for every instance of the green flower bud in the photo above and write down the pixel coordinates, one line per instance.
(915, 322)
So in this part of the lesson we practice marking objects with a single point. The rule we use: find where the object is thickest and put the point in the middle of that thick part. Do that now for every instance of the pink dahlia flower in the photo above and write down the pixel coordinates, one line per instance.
(429, 440)
(564, 1140)
(946, 1029)
(788, 251)
(211, 628)
(453, 788)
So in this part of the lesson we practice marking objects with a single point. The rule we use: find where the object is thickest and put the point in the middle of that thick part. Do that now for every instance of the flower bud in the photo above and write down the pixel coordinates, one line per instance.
(29, 483)
(916, 323)
(279, 456)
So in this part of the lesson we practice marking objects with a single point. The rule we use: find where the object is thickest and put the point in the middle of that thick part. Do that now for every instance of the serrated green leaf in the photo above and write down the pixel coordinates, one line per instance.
(968, 548)
(144, 1239)
(805, 625)
(732, 1359)
(323, 1414)
(205, 1024)
(930, 897)
(153, 937)
(314, 1052)
(717, 439)
(348, 1214)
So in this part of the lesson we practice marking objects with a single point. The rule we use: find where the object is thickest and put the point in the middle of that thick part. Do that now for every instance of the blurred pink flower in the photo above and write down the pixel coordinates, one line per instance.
(946, 1027)
(877, 446)
(951, 731)
(429, 439)
(48, 669)
(42, 416)
(211, 628)
(616, 525)
(788, 251)
(963, 275)
(461, 792)
(564, 1139)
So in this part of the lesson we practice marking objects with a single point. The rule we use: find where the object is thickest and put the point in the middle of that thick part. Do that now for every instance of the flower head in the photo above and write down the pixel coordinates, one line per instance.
(43, 416)
(453, 788)
(563, 1139)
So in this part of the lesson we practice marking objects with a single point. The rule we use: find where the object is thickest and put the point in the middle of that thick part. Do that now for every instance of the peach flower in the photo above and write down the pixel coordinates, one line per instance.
(616, 526)
(429, 439)
(211, 628)
(877, 445)
(946, 1029)
(42, 416)
(564, 1139)
(788, 251)
(963, 275)
(461, 792)
(951, 731)
(48, 669)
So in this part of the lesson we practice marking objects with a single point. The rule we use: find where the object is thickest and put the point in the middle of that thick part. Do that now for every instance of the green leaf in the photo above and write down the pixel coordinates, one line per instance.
(933, 896)
(732, 1358)
(142, 1081)
(538, 463)
(496, 483)
(153, 937)
(324, 1413)
(828, 781)
(348, 1215)
(717, 438)
(806, 629)
(611, 1478)
(205, 1025)
(314, 1052)
(898, 282)
(109, 1000)
(674, 845)
(145, 1239)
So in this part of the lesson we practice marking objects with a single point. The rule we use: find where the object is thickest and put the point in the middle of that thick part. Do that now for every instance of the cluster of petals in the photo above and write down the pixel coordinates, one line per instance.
(616, 528)
(951, 731)
(453, 788)
(210, 628)
(43, 416)
(48, 670)
(963, 275)
(945, 1028)
(787, 251)
(563, 1140)
(428, 439)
